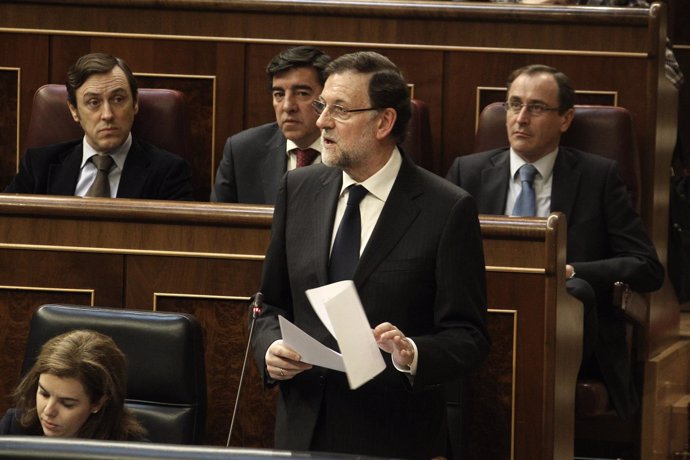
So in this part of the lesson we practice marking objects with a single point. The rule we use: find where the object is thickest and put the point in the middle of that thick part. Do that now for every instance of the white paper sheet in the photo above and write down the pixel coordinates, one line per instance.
(311, 350)
(339, 308)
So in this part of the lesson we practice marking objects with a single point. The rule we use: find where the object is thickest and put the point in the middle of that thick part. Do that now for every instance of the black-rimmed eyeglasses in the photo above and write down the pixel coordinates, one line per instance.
(338, 112)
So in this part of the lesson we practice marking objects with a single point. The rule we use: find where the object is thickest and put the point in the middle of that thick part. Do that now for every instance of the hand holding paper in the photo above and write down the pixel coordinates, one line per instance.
(339, 308)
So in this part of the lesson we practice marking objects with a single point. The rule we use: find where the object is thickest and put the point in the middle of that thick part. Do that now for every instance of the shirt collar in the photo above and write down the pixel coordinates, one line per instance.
(544, 165)
(381, 183)
(316, 145)
(119, 154)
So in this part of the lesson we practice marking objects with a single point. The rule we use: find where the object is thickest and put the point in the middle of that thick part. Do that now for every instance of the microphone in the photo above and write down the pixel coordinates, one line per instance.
(257, 304)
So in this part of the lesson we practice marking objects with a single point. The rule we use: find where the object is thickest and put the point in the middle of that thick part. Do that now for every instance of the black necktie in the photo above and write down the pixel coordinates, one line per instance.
(345, 252)
(101, 185)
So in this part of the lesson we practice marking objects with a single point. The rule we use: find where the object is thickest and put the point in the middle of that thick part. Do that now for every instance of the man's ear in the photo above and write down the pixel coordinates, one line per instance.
(73, 111)
(567, 119)
(136, 106)
(386, 122)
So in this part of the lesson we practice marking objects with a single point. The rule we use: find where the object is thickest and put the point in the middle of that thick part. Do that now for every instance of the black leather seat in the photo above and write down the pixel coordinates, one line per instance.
(166, 385)
(418, 143)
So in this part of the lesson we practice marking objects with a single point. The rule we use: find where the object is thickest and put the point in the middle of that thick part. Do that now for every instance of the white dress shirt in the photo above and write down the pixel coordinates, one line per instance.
(87, 172)
(292, 156)
(542, 182)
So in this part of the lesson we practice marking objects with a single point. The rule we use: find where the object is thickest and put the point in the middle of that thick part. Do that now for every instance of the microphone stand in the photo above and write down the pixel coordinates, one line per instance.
(256, 311)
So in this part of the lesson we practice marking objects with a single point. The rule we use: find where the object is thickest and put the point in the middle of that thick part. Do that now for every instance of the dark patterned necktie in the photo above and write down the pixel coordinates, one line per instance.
(101, 185)
(526, 203)
(345, 252)
(305, 157)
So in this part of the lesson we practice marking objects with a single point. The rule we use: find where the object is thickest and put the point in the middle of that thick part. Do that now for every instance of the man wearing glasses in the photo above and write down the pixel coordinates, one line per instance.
(418, 267)
(607, 241)
(254, 160)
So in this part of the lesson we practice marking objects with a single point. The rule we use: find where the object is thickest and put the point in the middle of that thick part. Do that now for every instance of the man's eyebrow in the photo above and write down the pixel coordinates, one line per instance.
(91, 94)
(117, 91)
(309, 87)
(529, 101)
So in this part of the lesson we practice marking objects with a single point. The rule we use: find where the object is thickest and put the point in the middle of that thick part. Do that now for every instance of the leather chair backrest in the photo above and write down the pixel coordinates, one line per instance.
(166, 379)
(417, 144)
(602, 130)
(162, 119)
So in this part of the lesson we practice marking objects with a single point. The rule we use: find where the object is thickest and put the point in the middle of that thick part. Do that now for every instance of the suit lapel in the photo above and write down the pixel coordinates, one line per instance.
(566, 179)
(494, 185)
(396, 217)
(274, 164)
(134, 173)
(326, 199)
(63, 176)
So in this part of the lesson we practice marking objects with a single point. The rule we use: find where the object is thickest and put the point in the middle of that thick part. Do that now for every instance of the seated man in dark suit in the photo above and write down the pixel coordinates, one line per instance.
(254, 160)
(108, 161)
(607, 241)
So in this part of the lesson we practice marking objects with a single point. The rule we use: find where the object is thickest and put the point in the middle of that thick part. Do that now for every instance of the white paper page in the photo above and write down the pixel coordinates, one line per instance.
(319, 296)
(311, 350)
(361, 355)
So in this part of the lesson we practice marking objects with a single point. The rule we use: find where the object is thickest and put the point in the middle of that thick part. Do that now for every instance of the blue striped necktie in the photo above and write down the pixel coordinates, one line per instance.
(526, 203)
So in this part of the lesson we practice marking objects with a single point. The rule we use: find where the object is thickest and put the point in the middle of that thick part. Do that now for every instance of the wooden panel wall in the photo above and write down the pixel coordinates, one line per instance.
(216, 51)
(447, 50)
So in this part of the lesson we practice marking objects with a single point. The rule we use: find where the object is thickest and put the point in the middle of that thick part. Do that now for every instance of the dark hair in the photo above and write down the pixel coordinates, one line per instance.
(298, 56)
(96, 63)
(566, 93)
(387, 87)
(95, 360)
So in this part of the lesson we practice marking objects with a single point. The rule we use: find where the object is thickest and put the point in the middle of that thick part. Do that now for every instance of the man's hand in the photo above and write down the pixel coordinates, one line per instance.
(391, 340)
(282, 362)
(569, 271)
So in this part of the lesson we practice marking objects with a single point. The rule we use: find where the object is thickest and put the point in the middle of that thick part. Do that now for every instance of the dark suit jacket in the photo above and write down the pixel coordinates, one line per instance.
(607, 241)
(422, 270)
(149, 172)
(253, 162)
(9, 425)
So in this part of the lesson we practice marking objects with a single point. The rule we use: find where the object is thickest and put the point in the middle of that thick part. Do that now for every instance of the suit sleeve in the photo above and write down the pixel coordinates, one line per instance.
(225, 189)
(632, 258)
(461, 342)
(275, 286)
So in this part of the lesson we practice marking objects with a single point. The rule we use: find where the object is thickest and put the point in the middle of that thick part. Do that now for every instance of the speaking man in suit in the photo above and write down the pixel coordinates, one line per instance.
(108, 161)
(607, 241)
(415, 256)
(254, 160)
